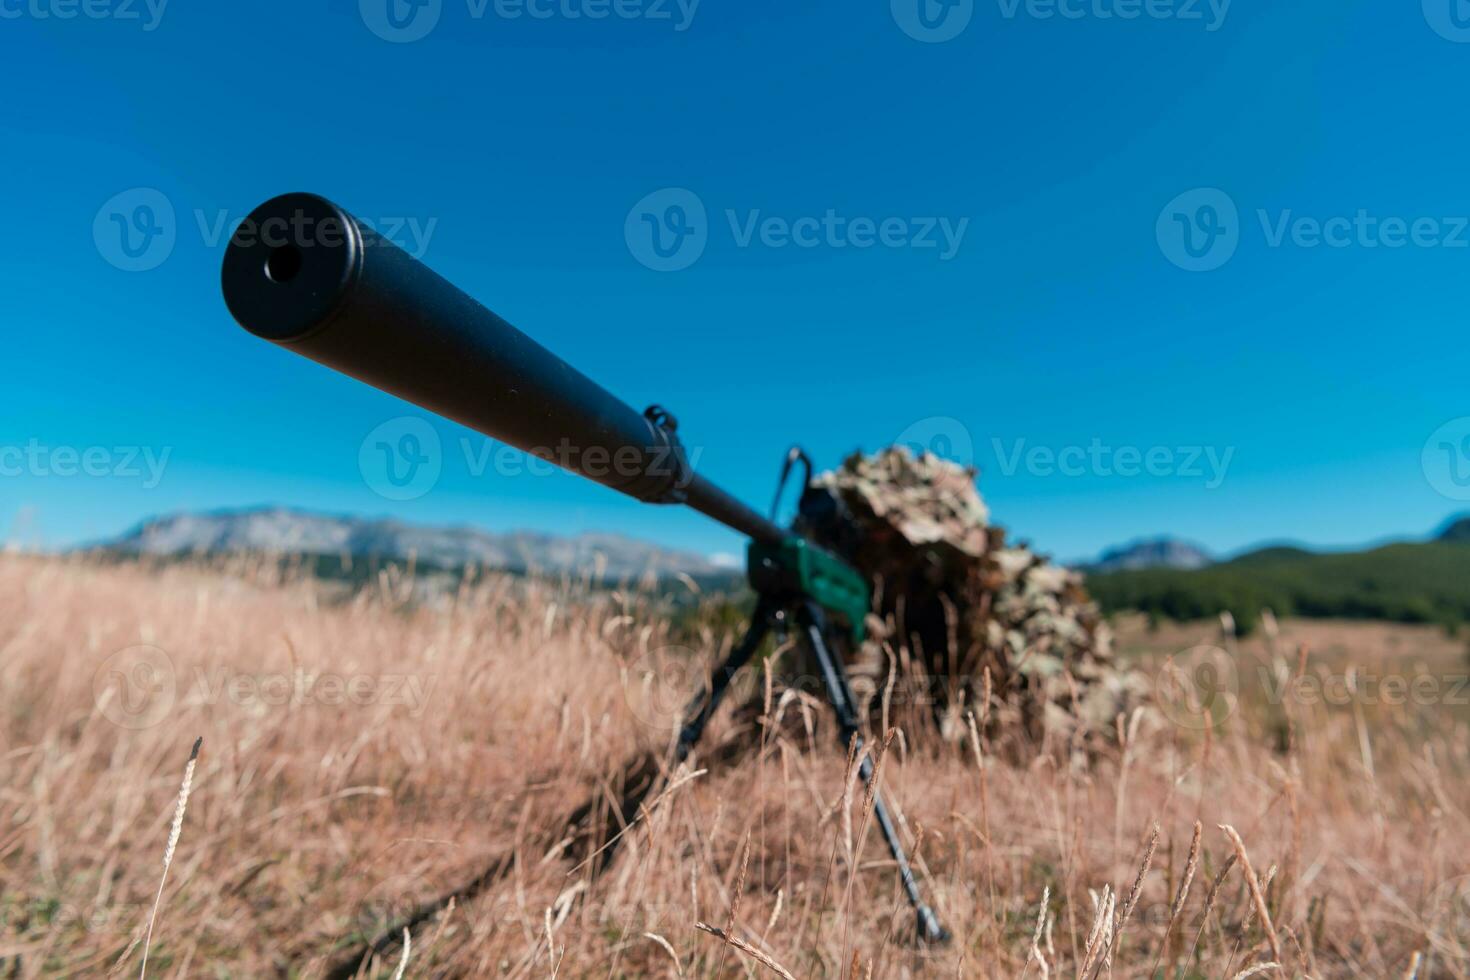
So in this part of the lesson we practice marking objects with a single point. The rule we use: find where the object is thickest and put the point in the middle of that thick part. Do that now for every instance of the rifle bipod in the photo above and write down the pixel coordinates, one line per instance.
(773, 613)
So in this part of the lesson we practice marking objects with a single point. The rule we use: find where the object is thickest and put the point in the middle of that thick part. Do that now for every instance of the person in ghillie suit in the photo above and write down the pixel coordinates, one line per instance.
(961, 621)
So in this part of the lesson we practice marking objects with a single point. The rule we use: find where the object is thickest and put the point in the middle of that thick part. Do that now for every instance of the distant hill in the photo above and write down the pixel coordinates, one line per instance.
(1152, 553)
(284, 531)
(1455, 529)
(1417, 582)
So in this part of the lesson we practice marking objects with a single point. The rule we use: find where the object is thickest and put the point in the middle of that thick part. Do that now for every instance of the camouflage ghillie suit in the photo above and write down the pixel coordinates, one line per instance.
(953, 602)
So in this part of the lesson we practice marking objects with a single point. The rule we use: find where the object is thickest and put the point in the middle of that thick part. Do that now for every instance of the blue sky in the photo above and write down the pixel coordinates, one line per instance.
(1198, 270)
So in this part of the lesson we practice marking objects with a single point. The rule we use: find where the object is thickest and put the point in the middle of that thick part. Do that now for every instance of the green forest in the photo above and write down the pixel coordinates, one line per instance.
(1423, 582)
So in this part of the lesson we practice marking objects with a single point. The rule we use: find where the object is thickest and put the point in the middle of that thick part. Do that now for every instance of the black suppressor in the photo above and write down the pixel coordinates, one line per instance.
(304, 274)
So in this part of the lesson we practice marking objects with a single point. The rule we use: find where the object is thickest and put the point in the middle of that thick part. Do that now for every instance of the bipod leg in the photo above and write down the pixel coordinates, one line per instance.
(767, 613)
(813, 624)
(699, 711)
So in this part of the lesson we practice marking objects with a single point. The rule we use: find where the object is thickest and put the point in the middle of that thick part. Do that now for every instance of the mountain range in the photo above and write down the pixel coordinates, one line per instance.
(286, 531)
(1426, 580)
(1161, 552)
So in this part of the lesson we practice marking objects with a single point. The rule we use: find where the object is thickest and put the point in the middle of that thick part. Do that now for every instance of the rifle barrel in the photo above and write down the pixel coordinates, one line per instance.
(305, 274)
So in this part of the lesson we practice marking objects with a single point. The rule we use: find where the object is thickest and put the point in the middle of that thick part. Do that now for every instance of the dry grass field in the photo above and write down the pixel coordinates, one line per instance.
(362, 756)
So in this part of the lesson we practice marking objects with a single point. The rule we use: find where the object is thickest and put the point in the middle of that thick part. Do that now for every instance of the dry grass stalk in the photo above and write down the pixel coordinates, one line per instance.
(1250, 916)
(644, 811)
(739, 889)
(1204, 919)
(1132, 900)
(1266, 881)
(870, 797)
(174, 831)
(551, 955)
(1100, 934)
(1191, 865)
(403, 960)
(1255, 890)
(747, 949)
(975, 746)
(667, 948)
(1034, 953)
(775, 910)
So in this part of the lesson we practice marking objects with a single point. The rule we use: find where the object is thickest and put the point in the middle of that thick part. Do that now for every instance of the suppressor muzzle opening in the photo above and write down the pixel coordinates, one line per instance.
(289, 265)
